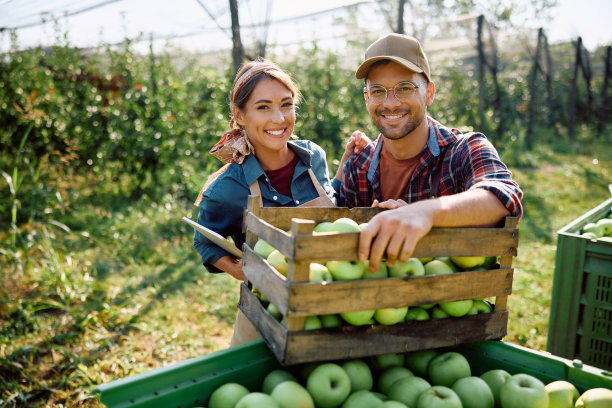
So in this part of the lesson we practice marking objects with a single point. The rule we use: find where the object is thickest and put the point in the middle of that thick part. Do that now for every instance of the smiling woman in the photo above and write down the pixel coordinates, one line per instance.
(264, 159)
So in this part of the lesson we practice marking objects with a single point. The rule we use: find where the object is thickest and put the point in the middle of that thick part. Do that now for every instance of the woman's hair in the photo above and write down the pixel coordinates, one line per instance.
(247, 77)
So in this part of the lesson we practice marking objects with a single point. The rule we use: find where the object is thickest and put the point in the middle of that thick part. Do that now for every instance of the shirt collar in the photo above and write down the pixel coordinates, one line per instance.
(253, 170)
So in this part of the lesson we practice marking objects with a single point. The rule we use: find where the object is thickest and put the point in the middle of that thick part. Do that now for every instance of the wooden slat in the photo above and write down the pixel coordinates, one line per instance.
(273, 333)
(439, 242)
(348, 342)
(338, 297)
(501, 302)
(276, 237)
(281, 217)
(266, 279)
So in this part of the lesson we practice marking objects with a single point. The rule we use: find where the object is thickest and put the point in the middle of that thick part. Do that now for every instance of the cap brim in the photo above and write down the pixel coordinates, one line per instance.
(363, 69)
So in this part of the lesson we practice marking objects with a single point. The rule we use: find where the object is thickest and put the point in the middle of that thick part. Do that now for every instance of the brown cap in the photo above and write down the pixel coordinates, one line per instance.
(400, 48)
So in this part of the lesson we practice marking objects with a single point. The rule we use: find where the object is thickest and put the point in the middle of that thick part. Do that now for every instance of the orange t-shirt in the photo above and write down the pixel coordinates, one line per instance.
(395, 174)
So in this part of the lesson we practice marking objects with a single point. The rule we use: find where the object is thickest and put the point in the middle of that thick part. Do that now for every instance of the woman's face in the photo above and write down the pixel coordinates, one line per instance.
(268, 116)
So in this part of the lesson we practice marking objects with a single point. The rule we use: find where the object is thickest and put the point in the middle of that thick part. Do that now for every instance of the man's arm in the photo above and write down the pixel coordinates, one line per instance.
(396, 232)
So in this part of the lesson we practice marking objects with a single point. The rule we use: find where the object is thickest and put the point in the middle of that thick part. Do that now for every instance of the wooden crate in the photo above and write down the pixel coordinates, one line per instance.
(297, 298)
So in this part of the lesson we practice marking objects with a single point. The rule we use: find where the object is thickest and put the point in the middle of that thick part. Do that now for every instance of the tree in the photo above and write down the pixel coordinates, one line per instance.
(237, 48)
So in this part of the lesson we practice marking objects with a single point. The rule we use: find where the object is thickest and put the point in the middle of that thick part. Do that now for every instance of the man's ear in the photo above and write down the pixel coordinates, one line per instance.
(238, 115)
(431, 93)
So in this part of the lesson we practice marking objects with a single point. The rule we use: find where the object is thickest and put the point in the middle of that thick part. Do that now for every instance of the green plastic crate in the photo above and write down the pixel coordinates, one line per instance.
(190, 383)
(580, 325)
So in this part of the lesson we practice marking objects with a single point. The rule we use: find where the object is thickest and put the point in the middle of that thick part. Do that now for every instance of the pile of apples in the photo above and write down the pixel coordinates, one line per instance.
(355, 270)
(421, 379)
(600, 230)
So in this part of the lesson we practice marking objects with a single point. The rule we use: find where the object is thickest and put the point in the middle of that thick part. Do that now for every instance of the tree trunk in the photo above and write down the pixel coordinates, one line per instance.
(400, 17)
(237, 49)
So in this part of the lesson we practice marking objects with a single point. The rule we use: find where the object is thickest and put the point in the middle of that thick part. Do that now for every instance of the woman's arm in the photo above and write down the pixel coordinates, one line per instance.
(230, 266)
(356, 143)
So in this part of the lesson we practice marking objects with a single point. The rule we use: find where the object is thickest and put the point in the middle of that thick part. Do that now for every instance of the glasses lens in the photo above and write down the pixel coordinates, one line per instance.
(378, 93)
(404, 89)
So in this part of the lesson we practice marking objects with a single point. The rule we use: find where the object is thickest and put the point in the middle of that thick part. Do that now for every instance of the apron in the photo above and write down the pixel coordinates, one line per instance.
(244, 331)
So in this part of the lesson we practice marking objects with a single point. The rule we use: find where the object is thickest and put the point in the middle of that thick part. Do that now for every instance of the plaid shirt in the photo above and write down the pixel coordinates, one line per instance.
(470, 162)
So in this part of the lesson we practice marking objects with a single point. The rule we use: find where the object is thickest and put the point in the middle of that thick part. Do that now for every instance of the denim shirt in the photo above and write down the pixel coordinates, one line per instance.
(223, 202)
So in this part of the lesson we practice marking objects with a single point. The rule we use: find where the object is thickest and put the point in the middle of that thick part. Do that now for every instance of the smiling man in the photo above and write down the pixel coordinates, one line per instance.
(425, 173)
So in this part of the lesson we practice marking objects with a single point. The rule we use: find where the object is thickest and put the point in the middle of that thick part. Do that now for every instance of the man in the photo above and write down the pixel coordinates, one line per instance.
(425, 173)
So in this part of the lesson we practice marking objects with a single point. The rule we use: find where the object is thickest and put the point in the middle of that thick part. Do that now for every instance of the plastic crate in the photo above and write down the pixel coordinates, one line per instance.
(580, 325)
(189, 384)
(297, 298)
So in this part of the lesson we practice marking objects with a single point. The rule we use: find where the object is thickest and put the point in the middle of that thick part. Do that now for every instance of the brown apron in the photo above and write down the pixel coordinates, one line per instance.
(244, 331)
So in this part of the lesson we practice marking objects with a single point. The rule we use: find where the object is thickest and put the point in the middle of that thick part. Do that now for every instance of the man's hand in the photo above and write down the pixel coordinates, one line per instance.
(355, 144)
(395, 232)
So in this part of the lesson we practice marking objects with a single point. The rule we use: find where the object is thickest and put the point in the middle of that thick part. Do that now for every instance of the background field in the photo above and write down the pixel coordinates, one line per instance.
(102, 154)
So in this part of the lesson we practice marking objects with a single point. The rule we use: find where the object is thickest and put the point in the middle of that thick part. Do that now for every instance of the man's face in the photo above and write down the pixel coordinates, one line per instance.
(396, 118)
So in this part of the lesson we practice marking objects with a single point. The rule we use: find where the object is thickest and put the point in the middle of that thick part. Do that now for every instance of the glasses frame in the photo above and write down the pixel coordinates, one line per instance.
(366, 91)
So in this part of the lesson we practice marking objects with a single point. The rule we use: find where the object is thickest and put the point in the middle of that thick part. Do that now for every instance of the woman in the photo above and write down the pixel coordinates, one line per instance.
(261, 160)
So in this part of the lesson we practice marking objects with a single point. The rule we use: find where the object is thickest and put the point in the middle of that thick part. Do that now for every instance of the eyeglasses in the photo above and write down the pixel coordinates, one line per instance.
(402, 91)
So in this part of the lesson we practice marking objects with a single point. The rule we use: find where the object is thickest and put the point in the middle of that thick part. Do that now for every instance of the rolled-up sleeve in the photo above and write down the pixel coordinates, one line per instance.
(481, 167)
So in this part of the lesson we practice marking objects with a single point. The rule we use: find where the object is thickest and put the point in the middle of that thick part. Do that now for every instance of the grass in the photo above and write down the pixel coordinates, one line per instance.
(117, 289)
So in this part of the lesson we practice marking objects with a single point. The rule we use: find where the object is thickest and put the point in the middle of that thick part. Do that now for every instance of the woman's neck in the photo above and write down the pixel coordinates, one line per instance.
(274, 159)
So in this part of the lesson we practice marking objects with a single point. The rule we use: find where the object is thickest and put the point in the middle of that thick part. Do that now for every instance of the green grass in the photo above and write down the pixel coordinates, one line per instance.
(123, 291)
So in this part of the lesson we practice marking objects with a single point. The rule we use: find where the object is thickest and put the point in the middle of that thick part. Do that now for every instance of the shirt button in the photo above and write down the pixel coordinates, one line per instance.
(275, 197)
(297, 201)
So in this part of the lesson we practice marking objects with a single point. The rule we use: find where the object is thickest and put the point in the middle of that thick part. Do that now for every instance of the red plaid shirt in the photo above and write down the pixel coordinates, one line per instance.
(470, 162)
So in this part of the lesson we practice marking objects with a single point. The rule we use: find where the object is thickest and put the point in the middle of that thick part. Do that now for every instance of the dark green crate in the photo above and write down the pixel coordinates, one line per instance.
(580, 325)
(190, 383)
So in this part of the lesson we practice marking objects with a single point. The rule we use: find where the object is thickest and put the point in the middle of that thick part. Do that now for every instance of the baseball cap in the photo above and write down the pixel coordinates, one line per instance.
(401, 48)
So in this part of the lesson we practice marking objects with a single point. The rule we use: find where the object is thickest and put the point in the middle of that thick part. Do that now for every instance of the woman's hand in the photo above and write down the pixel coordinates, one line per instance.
(231, 266)
(355, 144)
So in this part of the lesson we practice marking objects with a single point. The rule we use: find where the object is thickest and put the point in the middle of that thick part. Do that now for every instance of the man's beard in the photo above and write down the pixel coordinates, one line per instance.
(396, 134)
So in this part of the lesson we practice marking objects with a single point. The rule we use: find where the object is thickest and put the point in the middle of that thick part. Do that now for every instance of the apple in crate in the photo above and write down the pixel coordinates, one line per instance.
(278, 262)
(361, 399)
(275, 377)
(439, 396)
(468, 262)
(359, 318)
(479, 306)
(412, 267)
(360, 375)
(331, 320)
(391, 315)
(263, 249)
(291, 394)
(390, 375)
(474, 392)
(437, 267)
(447, 368)
(381, 273)
(345, 270)
(605, 224)
(523, 391)
(319, 273)
(418, 361)
(595, 398)
(329, 385)
(457, 308)
(416, 313)
(257, 400)
(408, 389)
(561, 394)
(227, 395)
(495, 379)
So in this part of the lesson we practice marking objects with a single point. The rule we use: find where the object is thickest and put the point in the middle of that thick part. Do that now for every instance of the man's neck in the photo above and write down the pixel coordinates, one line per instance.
(410, 145)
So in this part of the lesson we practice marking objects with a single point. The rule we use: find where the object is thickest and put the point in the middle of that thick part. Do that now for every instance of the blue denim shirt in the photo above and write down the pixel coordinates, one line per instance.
(223, 202)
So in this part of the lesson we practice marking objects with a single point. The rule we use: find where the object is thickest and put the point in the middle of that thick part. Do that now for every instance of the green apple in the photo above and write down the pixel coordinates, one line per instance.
(437, 267)
(417, 313)
(319, 273)
(275, 377)
(359, 318)
(561, 394)
(305, 369)
(457, 308)
(278, 261)
(257, 400)
(479, 306)
(324, 226)
(362, 226)
(495, 379)
(490, 262)
(468, 262)
(362, 399)
(274, 311)
(381, 362)
(523, 391)
(391, 404)
(390, 315)
(360, 375)
(408, 389)
(329, 385)
(438, 313)
(330, 320)
(447, 261)
(345, 225)
(381, 273)
(312, 323)
(605, 239)
(426, 259)
(389, 376)
(605, 224)
(595, 398)
(262, 248)
(589, 235)
(290, 394)
(474, 393)
(345, 270)
(412, 267)
(447, 368)
(227, 395)
(594, 228)
(418, 361)
(438, 396)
